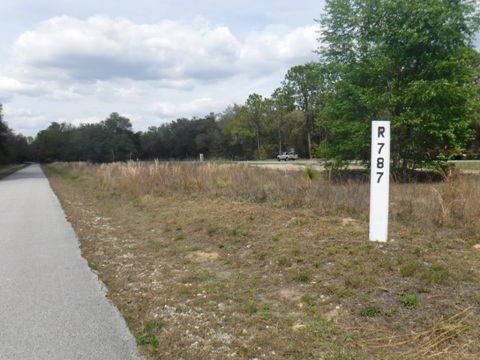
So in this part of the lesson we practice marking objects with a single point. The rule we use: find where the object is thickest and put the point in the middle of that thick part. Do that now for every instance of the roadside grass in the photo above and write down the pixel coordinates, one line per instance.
(468, 165)
(218, 261)
(6, 170)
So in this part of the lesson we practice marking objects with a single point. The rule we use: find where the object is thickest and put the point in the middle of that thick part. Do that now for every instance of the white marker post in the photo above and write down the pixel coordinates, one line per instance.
(379, 180)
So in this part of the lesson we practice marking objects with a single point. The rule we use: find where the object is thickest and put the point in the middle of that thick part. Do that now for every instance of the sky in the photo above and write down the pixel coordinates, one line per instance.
(152, 61)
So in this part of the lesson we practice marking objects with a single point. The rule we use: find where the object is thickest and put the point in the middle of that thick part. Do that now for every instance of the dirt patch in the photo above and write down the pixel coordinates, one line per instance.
(291, 294)
(348, 221)
(200, 256)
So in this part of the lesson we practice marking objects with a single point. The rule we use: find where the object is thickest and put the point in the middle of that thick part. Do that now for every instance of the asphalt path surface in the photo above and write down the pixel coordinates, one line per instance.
(52, 306)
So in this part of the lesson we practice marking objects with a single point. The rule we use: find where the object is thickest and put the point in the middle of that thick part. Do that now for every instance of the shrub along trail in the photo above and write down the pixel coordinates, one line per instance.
(233, 261)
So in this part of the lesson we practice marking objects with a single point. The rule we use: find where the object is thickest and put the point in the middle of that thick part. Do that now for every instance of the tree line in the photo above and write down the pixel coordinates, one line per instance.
(258, 129)
(409, 62)
(14, 148)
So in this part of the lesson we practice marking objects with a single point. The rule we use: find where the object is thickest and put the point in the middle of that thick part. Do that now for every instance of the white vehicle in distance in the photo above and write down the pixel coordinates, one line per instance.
(287, 156)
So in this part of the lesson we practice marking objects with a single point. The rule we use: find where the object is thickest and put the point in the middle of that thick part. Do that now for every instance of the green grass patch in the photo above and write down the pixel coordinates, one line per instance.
(284, 261)
(409, 269)
(437, 274)
(411, 301)
(304, 276)
(93, 266)
(371, 310)
(148, 335)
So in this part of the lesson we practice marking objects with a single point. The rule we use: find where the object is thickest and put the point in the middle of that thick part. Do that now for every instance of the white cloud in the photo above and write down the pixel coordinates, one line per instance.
(111, 91)
(278, 47)
(197, 107)
(101, 48)
(10, 86)
(80, 70)
(24, 119)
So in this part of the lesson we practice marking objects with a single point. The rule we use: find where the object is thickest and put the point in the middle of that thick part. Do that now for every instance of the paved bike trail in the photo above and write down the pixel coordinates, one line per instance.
(52, 306)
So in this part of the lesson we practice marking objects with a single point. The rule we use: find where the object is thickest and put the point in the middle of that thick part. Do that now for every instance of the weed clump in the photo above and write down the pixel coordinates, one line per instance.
(304, 276)
(284, 261)
(409, 269)
(371, 310)
(411, 301)
(148, 335)
(437, 274)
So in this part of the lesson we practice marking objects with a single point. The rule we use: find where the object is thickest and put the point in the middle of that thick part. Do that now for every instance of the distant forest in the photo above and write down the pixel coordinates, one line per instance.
(258, 129)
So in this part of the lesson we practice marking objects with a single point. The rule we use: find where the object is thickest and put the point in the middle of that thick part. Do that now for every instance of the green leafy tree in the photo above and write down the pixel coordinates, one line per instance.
(109, 140)
(4, 133)
(230, 143)
(182, 134)
(207, 131)
(306, 84)
(282, 105)
(250, 125)
(154, 144)
(253, 119)
(474, 151)
(118, 138)
(14, 148)
(49, 143)
(19, 149)
(410, 62)
(181, 139)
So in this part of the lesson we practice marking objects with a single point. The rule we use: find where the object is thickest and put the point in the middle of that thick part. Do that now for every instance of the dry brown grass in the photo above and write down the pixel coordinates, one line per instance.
(231, 261)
